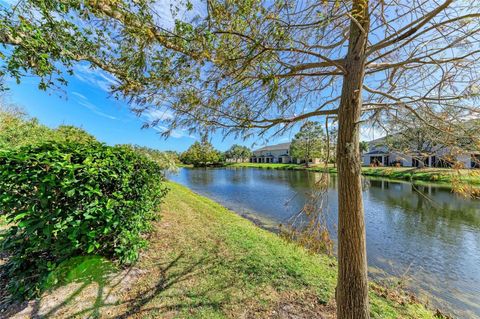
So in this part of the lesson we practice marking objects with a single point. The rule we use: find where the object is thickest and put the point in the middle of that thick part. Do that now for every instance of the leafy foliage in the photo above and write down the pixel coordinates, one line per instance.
(363, 146)
(17, 129)
(166, 160)
(201, 154)
(69, 133)
(309, 142)
(238, 152)
(68, 199)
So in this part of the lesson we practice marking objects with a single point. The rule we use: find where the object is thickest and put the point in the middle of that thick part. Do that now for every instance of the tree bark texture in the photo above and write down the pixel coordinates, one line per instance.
(352, 285)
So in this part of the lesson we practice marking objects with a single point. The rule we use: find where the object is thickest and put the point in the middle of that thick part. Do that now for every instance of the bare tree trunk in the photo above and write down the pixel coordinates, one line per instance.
(352, 285)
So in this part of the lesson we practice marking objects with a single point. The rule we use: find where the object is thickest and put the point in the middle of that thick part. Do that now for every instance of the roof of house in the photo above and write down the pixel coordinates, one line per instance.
(377, 141)
(375, 152)
(276, 147)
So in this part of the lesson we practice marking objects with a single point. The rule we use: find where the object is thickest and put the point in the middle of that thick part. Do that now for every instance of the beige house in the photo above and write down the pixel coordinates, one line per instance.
(279, 153)
(379, 154)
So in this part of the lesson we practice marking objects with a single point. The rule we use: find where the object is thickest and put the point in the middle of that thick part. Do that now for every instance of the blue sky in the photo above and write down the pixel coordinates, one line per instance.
(86, 103)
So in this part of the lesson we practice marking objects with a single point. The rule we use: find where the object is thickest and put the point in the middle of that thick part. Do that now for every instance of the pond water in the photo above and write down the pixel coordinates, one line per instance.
(423, 233)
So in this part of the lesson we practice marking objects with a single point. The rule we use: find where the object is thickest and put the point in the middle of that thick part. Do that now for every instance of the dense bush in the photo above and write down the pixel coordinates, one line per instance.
(67, 199)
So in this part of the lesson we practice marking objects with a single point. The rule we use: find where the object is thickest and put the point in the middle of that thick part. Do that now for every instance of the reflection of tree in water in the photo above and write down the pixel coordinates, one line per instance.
(303, 179)
(308, 226)
(429, 204)
(238, 176)
(202, 176)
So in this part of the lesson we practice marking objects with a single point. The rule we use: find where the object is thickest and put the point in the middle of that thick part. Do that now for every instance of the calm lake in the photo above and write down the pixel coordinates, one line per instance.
(421, 232)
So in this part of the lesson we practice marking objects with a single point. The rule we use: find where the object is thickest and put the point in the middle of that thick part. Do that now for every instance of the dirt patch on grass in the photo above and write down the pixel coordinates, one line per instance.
(80, 299)
(290, 305)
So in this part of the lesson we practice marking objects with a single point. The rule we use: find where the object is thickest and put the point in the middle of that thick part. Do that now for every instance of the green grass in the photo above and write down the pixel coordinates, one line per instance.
(184, 165)
(237, 268)
(3, 222)
(83, 269)
(437, 175)
(204, 261)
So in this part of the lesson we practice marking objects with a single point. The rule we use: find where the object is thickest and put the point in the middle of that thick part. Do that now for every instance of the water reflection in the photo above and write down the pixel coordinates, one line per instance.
(423, 229)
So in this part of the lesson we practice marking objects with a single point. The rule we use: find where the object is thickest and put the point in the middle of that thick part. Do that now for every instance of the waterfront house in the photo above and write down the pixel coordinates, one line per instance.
(380, 154)
(278, 153)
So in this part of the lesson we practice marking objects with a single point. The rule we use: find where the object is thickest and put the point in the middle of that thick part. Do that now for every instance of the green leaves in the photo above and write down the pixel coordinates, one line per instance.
(310, 142)
(201, 154)
(238, 152)
(70, 199)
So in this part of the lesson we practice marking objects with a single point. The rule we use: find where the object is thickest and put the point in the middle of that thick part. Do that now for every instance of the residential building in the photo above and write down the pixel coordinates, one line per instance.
(380, 154)
(279, 153)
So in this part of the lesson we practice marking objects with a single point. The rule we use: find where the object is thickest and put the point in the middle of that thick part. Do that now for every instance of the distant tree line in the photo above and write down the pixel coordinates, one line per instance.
(310, 142)
(202, 154)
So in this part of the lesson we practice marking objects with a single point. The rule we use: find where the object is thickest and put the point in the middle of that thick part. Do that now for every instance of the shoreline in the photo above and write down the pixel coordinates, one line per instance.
(206, 261)
(376, 286)
(443, 176)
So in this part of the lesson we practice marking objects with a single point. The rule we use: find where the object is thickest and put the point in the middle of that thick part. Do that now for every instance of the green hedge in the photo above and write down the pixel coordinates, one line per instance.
(66, 199)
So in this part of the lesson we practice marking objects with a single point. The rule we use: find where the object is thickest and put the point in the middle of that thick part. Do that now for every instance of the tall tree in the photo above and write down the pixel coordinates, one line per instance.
(238, 152)
(309, 142)
(420, 141)
(200, 154)
(246, 67)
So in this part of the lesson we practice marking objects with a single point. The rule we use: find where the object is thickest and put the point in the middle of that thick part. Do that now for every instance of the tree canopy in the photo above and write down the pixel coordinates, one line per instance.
(240, 65)
(363, 147)
(201, 154)
(238, 152)
(310, 142)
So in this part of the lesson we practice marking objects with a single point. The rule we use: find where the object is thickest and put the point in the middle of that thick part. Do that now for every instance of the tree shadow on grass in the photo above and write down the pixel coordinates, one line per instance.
(169, 278)
(94, 288)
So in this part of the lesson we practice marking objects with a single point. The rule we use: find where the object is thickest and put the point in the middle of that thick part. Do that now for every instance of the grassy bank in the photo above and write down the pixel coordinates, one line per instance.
(439, 175)
(205, 261)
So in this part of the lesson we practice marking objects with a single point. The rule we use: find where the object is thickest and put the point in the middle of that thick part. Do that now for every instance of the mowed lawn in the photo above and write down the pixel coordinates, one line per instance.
(205, 261)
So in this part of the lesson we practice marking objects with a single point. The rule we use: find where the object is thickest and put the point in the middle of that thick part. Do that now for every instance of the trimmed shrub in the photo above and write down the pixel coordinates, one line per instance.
(67, 199)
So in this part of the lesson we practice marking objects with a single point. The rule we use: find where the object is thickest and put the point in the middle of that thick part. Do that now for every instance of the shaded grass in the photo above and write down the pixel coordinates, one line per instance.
(437, 175)
(205, 261)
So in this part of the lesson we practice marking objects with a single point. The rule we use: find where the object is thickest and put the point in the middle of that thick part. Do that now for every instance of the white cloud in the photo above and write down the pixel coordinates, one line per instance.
(173, 133)
(94, 77)
(79, 95)
(157, 114)
(94, 109)
(368, 133)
